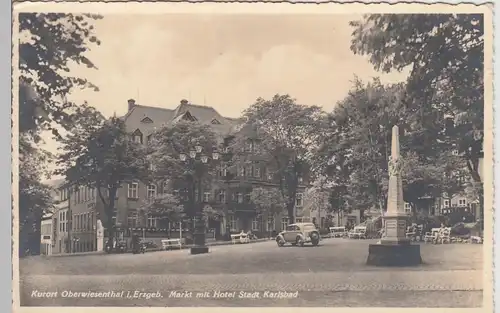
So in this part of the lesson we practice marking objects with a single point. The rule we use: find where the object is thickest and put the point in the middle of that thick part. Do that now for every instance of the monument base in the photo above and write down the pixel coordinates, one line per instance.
(199, 249)
(395, 241)
(393, 254)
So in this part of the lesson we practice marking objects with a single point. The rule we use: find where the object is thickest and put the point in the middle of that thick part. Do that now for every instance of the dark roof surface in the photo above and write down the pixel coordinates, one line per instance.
(164, 116)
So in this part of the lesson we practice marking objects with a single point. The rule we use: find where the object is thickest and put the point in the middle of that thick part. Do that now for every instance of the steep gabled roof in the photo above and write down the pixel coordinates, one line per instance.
(162, 116)
(133, 119)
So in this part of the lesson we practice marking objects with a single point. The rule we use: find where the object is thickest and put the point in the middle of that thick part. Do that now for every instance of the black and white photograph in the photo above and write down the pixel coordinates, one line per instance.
(277, 155)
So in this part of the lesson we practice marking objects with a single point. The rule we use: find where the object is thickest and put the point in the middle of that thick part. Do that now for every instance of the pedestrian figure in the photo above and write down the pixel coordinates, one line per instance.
(135, 243)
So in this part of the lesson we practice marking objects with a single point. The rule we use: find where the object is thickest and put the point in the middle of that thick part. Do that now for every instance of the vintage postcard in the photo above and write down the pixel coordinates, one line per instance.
(245, 155)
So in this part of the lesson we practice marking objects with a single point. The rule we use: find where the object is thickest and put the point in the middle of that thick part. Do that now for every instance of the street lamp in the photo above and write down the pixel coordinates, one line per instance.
(197, 159)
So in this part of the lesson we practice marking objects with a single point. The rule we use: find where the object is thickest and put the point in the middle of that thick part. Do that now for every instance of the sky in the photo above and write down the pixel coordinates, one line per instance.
(224, 61)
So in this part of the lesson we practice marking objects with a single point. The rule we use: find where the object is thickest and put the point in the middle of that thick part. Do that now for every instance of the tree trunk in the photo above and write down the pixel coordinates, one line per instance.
(227, 232)
(110, 228)
(109, 215)
(290, 209)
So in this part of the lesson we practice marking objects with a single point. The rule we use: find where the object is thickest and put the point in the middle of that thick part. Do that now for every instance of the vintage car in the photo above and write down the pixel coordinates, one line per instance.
(298, 234)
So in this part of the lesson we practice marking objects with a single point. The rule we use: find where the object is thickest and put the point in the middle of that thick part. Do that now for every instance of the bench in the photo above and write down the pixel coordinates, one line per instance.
(169, 244)
(432, 236)
(476, 239)
(240, 238)
(358, 232)
(337, 232)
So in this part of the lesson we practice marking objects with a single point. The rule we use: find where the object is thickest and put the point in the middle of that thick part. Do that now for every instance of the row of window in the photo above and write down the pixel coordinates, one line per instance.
(257, 223)
(63, 221)
(242, 171)
(83, 221)
(461, 203)
(446, 204)
(80, 195)
(255, 171)
(84, 246)
(251, 145)
(220, 195)
(151, 222)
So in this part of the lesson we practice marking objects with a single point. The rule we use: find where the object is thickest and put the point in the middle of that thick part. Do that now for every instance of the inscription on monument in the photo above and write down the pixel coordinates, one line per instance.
(390, 224)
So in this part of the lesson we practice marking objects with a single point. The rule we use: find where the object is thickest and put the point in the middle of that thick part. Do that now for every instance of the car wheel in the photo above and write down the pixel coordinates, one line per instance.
(280, 242)
(315, 239)
(299, 242)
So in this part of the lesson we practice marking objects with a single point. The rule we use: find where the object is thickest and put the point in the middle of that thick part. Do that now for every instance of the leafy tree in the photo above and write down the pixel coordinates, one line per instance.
(164, 153)
(35, 198)
(357, 147)
(288, 134)
(268, 201)
(100, 154)
(338, 200)
(424, 179)
(445, 53)
(49, 43)
(316, 199)
(165, 205)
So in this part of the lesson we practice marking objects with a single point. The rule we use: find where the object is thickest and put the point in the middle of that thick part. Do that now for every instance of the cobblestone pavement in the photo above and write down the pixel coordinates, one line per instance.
(333, 274)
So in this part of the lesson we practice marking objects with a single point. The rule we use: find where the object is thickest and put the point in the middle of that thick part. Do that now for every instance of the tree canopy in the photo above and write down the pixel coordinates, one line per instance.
(357, 145)
(100, 154)
(165, 148)
(49, 43)
(165, 205)
(288, 134)
(445, 55)
(267, 201)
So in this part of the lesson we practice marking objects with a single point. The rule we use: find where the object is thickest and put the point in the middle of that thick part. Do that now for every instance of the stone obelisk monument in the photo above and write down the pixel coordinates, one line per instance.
(394, 248)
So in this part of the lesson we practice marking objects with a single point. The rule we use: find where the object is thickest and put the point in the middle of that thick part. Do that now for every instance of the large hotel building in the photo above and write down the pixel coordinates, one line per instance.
(75, 226)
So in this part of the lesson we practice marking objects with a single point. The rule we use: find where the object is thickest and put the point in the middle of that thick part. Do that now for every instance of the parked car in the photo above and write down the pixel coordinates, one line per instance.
(299, 234)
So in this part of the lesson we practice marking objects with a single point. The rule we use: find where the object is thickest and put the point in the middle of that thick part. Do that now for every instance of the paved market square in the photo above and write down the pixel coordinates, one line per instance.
(332, 274)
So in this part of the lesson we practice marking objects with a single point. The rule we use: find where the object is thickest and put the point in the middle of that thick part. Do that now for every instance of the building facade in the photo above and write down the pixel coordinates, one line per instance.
(74, 220)
(141, 121)
(46, 233)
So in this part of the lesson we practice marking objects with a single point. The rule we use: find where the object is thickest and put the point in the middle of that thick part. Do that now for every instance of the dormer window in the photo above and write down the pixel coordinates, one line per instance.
(137, 136)
(188, 117)
(147, 120)
(215, 122)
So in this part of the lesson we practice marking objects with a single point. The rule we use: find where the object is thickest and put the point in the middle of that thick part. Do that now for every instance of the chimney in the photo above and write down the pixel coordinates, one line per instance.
(184, 101)
(131, 104)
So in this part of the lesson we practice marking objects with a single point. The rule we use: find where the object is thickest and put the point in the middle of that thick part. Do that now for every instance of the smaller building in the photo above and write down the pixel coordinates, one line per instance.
(46, 235)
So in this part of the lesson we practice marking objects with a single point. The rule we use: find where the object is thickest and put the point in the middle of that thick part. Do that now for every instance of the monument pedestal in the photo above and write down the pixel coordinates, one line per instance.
(394, 255)
(394, 248)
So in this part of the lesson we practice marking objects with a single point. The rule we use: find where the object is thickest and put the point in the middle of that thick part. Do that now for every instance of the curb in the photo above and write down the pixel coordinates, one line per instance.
(209, 244)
